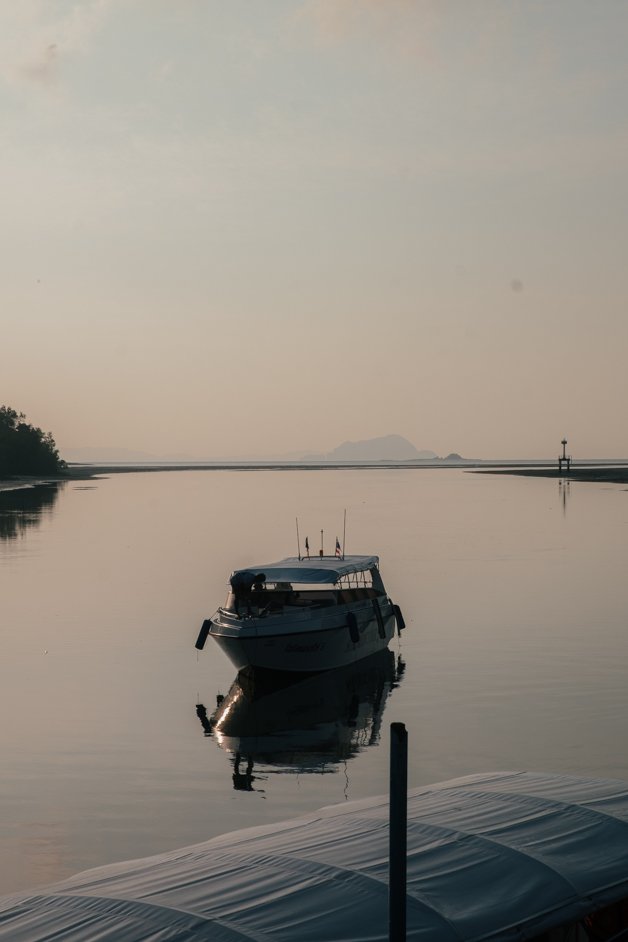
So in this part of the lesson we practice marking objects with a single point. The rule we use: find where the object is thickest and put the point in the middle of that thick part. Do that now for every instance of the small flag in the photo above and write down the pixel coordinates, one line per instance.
(338, 550)
(307, 547)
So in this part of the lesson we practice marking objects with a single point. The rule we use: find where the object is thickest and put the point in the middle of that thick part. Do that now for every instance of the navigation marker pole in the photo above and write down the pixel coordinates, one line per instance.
(398, 826)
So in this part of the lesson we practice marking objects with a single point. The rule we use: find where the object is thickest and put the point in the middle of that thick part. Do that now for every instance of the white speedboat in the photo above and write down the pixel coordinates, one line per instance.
(304, 615)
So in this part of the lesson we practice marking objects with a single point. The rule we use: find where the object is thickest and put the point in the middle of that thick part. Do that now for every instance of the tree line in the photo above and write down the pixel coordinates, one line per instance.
(25, 449)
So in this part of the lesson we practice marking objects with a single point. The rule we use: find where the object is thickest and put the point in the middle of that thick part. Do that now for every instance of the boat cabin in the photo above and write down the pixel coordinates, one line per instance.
(295, 583)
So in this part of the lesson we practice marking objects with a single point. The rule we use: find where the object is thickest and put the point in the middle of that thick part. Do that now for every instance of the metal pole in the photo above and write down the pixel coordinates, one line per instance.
(344, 534)
(398, 833)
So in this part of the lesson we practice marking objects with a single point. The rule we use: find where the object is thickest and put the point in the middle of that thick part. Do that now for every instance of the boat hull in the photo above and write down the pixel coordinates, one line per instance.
(339, 638)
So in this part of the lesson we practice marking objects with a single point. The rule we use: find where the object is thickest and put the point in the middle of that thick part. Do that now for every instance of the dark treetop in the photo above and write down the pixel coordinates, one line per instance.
(25, 449)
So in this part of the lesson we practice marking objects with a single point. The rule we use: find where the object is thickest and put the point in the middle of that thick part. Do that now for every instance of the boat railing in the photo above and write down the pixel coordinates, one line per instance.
(346, 596)
(260, 603)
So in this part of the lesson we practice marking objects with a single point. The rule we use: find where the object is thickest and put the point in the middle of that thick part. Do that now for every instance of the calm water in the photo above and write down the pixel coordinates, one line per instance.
(515, 655)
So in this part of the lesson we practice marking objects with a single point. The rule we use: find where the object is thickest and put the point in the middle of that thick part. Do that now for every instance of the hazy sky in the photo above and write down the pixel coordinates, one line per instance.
(263, 226)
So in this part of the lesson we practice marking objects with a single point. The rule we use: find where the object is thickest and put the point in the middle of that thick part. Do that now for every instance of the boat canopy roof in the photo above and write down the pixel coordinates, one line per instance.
(318, 570)
(503, 855)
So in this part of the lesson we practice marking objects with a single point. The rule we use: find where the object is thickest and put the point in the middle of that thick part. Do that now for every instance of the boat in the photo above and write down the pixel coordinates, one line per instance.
(304, 615)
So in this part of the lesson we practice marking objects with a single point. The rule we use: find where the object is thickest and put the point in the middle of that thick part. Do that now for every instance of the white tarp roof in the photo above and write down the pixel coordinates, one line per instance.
(326, 569)
(496, 856)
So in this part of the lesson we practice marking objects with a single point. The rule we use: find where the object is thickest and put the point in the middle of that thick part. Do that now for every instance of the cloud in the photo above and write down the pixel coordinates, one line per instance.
(43, 68)
(338, 21)
(36, 37)
(403, 26)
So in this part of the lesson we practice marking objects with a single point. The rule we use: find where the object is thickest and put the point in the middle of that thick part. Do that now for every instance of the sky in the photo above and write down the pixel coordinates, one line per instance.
(269, 226)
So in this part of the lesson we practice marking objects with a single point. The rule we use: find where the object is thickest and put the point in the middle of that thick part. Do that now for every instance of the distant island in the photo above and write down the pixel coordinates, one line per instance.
(382, 448)
(25, 449)
(385, 448)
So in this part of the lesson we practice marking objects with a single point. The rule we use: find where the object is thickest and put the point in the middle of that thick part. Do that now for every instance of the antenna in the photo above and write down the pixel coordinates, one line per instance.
(344, 534)
(298, 542)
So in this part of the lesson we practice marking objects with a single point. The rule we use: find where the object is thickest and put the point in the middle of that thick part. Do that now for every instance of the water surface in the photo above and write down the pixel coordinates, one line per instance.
(514, 657)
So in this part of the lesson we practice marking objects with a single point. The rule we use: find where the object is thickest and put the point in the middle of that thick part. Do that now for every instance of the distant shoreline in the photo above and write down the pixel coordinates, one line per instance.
(595, 473)
(614, 475)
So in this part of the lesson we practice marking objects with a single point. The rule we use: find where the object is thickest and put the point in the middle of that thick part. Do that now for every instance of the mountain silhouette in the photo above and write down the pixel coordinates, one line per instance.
(385, 448)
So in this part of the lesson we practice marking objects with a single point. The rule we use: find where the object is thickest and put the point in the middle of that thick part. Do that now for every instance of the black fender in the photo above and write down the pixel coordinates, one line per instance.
(352, 625)
(206, 627)
(399, 619)
(380, 621)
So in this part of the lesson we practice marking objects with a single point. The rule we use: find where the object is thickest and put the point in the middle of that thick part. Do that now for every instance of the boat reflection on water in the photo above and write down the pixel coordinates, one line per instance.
(311, 725)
